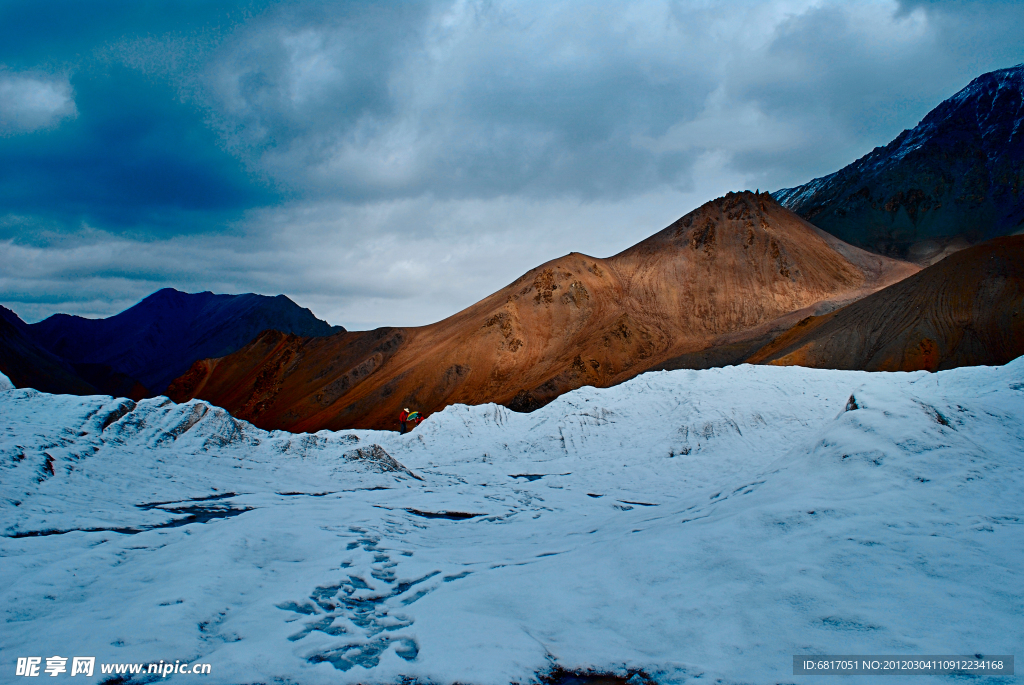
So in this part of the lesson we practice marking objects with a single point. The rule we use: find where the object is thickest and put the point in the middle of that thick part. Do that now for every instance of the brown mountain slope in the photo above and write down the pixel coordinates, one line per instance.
(731, 266)
(967, 309)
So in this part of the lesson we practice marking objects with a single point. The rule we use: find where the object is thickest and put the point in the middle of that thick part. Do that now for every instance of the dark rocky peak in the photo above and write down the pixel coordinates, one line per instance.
(954, 179)
(988, 102)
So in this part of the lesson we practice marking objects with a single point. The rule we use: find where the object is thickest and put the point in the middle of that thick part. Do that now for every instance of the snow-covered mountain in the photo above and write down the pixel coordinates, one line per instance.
(955, 178)
(698, 526)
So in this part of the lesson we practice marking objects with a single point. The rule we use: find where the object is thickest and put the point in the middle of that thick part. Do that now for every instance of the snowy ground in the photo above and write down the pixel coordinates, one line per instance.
(700, 525)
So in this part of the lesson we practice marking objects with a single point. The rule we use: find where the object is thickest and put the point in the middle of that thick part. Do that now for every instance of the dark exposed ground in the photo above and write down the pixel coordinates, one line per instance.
(30, 366)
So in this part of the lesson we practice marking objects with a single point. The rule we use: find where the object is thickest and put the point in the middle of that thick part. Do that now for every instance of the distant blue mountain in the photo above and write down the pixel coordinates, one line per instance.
(158, 339)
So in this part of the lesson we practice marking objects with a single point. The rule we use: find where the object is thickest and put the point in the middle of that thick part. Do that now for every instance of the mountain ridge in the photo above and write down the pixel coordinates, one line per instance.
(28, 364)
(957, 178)
(157, 339)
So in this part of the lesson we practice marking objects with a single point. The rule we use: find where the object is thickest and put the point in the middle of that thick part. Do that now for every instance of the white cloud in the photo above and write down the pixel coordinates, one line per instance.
(29, 102)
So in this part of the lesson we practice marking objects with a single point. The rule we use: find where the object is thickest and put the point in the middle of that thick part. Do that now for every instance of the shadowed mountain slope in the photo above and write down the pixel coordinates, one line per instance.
(735, 266)
(30, 366)
(159, 338)
(967, 309)
(108, 381)
(955, 179)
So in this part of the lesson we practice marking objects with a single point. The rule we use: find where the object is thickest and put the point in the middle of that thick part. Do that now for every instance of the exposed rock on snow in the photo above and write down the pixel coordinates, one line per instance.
(377, 459)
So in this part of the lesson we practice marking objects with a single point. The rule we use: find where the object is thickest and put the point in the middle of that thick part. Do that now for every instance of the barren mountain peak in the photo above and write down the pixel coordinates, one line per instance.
(731, 267)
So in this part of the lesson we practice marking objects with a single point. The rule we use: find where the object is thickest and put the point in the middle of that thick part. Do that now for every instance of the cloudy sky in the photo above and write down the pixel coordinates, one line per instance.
(392, 163)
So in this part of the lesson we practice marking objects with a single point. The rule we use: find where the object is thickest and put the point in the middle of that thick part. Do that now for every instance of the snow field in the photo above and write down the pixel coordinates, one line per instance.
(697, 525)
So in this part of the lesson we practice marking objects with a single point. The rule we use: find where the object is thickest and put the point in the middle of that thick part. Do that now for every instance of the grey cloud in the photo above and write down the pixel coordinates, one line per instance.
(364, 102)
(852, 77)
(463, 100)
(484, 99)
(847, 80)
(974, 37)
(407, 262)
(308, 73)
(391, 164)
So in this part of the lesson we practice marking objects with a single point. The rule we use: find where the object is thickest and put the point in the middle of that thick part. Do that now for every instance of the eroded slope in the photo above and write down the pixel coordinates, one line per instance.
(965, 310)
